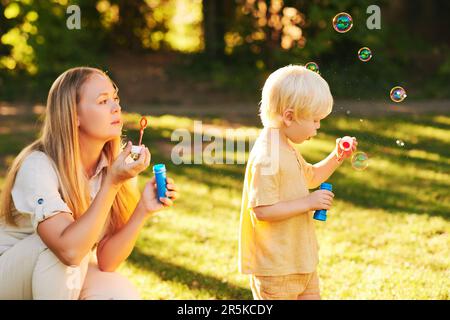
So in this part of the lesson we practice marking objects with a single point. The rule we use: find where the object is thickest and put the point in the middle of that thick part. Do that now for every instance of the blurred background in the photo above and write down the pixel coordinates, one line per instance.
(180, 49)
(177, 61)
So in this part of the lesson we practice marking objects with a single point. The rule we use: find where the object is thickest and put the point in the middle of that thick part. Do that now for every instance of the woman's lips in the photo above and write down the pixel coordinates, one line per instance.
(116, 122)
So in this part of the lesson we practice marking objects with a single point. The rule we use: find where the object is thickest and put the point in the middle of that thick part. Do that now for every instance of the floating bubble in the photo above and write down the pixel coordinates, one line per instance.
(312, 66)
(361, 120)
(364, 54)
(400, 143)
(360, 161)
(398, 94)
(342, 22)
(348, 112)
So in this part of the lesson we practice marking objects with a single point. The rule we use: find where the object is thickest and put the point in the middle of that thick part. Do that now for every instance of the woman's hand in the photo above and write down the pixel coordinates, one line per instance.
(149, 201)
(120, 170)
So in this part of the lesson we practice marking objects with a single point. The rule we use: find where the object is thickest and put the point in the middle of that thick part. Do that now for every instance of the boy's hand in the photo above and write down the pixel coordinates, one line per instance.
(342, 154)
(320, 199)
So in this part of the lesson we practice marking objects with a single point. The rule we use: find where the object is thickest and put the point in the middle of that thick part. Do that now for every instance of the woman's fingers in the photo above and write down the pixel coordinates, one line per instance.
(126, 151)
(149, 158)
(170, 180)
(142, 163)
(172, 187)
(166, 201)
(173, 195)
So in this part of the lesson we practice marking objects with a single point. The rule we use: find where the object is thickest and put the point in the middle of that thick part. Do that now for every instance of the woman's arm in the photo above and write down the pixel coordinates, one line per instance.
(70, 240)
(113, 250)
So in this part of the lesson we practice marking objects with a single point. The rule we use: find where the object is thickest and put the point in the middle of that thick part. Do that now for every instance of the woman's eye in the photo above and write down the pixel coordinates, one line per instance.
(103, 102)
(117, 99)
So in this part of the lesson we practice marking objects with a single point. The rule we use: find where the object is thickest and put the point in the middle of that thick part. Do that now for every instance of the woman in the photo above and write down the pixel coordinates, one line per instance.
(70, 210)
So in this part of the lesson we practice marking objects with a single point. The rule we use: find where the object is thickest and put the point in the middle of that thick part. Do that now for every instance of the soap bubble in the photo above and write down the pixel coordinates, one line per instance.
(360, 161)
(400, 143)
(342, 22)
(312, 66)
(364, 54)
(398, 94)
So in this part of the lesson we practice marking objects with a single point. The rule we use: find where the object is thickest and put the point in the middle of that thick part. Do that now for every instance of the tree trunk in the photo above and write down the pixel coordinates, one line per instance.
(215, 13)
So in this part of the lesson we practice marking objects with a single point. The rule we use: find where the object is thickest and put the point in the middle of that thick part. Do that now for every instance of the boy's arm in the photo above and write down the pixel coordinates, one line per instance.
(282, 210)
(325, 168)
(319, 199)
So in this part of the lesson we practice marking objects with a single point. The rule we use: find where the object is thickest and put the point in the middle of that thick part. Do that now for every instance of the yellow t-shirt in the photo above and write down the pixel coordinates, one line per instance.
(276, 173)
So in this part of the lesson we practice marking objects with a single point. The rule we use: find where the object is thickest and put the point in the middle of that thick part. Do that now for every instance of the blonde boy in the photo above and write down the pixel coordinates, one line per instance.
(277, 246)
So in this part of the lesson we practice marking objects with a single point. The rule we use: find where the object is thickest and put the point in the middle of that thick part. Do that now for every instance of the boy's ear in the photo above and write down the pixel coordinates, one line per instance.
(288, 117)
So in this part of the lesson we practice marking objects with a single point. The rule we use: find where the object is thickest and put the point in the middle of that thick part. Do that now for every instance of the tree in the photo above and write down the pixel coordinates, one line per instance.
(216, 13)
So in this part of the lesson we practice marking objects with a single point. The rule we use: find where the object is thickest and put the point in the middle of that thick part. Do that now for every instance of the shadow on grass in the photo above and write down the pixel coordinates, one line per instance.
(168, 271)
(374, 143)
(362, 194)
(356, 191)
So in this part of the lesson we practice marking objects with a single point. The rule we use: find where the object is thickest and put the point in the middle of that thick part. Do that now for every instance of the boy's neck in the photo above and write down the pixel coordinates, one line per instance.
(283, 139)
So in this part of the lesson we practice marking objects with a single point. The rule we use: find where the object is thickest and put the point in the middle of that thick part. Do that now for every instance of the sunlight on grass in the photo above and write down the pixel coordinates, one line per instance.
(442, 120)
(366, 252)
(387, 235)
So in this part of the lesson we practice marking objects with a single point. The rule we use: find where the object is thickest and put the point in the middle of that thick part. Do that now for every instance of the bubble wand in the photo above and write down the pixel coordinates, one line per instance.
(345, 147)
(143, 124)
(136, 150)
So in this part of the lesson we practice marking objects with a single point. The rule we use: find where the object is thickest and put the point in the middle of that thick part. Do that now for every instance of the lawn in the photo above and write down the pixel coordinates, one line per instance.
(387, 235)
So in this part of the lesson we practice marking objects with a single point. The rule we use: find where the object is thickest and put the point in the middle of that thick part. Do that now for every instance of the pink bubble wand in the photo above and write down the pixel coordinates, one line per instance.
(345, 146)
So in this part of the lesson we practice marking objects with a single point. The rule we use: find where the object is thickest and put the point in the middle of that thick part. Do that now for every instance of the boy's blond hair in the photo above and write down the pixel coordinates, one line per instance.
(297, 88)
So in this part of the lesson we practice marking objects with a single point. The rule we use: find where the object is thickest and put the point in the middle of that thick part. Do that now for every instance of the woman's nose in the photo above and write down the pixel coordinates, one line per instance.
(116, 107)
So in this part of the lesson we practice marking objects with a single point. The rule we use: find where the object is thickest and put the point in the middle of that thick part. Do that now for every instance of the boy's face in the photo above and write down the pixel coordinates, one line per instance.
(301, 129)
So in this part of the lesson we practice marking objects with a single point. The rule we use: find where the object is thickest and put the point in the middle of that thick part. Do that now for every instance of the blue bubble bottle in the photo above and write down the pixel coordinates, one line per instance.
(321, 215)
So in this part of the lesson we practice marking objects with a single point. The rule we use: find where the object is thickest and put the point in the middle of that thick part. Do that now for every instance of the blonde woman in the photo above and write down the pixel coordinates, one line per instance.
(70, 211)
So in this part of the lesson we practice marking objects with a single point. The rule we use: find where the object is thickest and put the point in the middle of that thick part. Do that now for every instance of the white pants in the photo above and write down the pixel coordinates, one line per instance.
(29, 270)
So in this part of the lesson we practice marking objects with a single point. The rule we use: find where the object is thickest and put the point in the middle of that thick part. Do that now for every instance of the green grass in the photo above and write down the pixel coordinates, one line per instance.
(387, 236)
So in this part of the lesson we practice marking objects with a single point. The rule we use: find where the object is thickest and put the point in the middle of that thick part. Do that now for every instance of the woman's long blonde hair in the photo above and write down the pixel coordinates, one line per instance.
(60, 142)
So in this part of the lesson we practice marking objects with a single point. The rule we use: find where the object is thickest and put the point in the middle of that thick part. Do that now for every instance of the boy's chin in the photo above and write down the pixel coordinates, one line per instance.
(300, 140)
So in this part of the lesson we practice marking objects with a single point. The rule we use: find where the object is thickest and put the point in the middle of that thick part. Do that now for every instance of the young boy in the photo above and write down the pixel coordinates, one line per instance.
(278, 246)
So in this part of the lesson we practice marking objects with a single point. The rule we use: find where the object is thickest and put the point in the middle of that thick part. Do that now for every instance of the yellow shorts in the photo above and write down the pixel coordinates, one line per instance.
(288, 287)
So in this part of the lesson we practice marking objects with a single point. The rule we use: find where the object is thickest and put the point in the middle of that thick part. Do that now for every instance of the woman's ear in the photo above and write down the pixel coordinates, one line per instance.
(288, 117)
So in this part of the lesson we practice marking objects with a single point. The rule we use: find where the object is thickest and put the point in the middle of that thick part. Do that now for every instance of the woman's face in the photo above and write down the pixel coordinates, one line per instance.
(99, 112)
